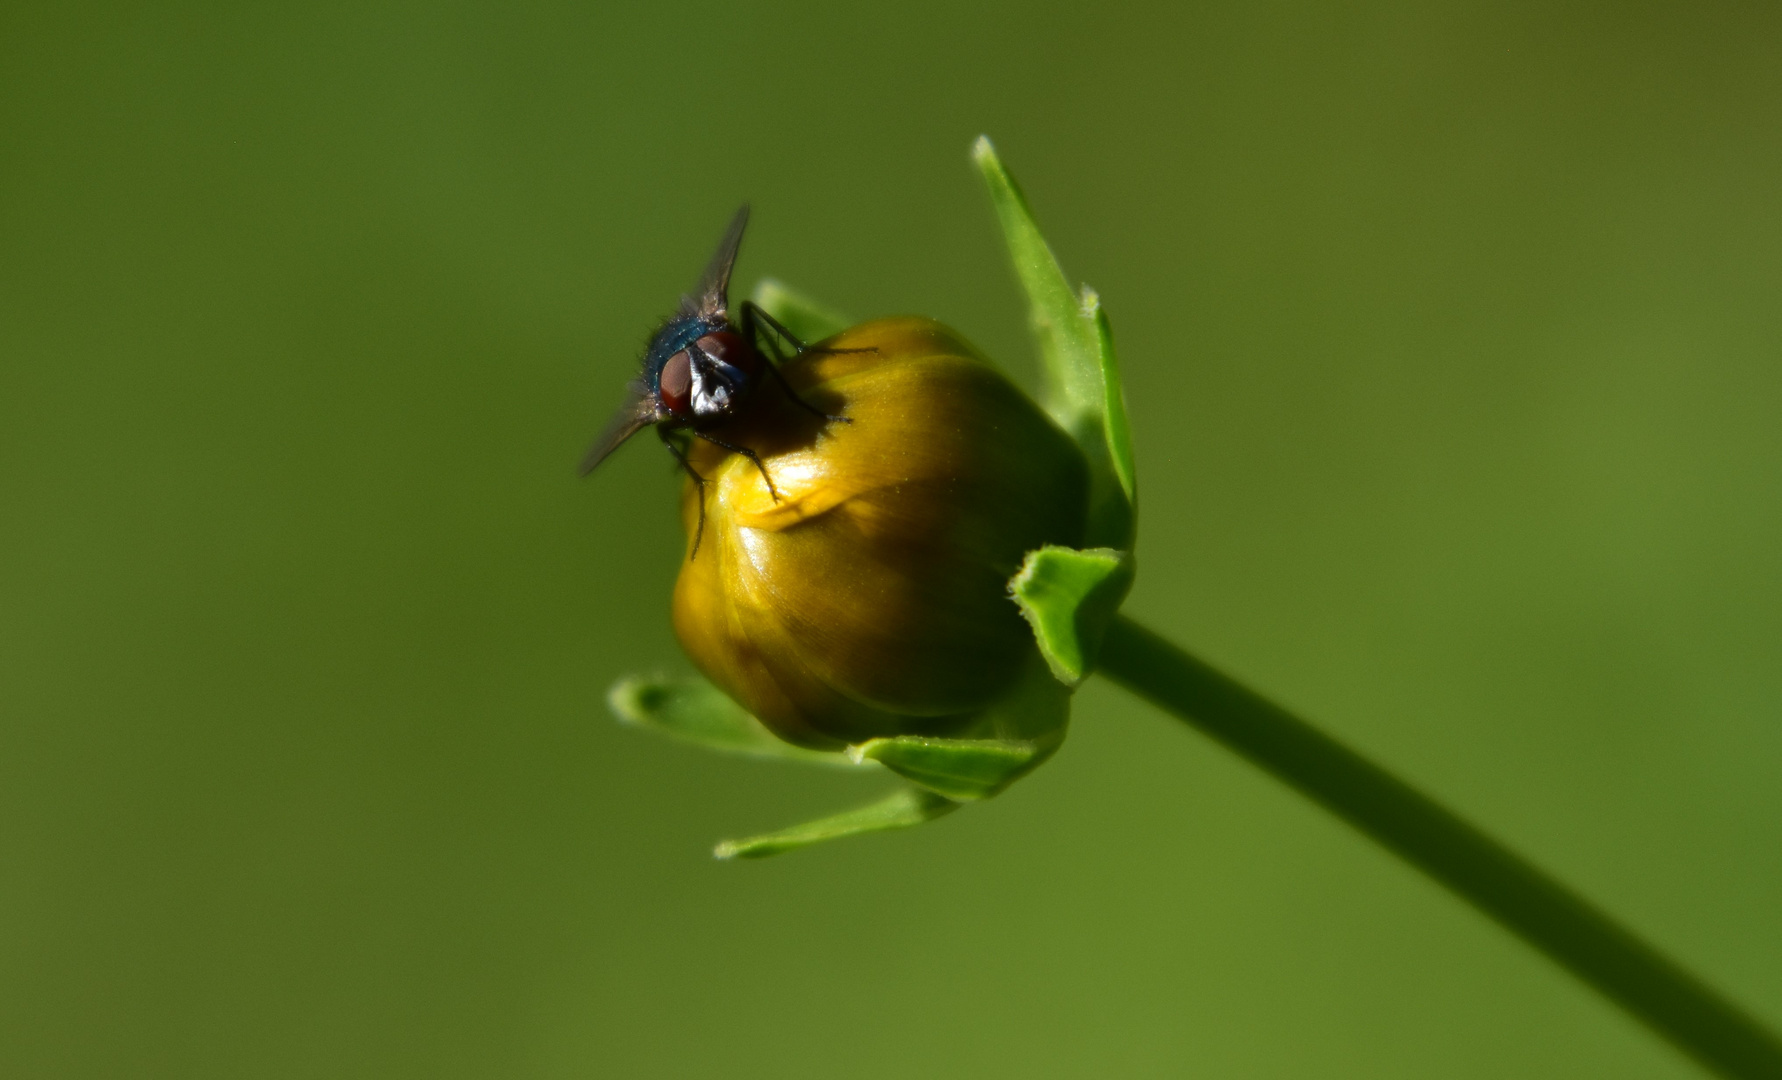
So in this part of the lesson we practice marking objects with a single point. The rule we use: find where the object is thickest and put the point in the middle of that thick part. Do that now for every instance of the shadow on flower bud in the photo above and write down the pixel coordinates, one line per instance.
(869, 600)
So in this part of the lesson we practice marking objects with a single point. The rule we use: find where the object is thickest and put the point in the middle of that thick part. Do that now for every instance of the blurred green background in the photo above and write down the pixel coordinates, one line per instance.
(1452, 335)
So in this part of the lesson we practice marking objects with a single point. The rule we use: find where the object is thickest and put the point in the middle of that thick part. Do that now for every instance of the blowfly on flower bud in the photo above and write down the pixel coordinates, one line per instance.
(701, 370)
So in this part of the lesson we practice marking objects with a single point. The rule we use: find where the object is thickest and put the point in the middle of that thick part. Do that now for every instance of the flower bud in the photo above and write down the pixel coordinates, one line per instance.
(864, 593)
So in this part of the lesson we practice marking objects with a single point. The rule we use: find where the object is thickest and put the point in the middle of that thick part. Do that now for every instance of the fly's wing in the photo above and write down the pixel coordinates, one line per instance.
(638, 412)
(711, 295)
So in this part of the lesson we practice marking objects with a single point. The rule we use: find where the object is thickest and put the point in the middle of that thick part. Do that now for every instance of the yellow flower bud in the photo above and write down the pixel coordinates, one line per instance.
(870, 597)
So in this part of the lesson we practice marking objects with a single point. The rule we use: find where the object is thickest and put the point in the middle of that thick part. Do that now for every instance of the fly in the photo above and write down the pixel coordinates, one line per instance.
(702, 368)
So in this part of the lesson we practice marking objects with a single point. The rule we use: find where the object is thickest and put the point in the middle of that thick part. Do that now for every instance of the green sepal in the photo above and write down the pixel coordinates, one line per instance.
(692, 710)
(964, 770)
(1080, 374)
(1069, 369)
(1114, 409)
(1069, 597)
(909, 806)
(808, 320)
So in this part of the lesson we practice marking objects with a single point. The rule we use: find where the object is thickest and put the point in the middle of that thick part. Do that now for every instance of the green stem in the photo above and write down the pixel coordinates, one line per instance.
(1475, 867)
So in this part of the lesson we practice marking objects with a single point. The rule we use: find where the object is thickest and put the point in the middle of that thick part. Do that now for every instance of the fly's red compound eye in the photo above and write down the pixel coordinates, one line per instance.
(728, 347)
(676, 384)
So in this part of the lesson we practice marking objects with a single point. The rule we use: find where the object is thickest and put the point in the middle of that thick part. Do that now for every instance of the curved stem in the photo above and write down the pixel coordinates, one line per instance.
(1475, 867)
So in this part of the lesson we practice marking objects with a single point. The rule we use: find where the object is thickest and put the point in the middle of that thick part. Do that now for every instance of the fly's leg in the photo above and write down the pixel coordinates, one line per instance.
(755, 324)
(803, 404)
(754, 319)
(745, 452)
(680, 455)
(753, 312)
